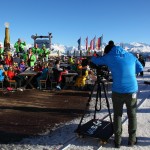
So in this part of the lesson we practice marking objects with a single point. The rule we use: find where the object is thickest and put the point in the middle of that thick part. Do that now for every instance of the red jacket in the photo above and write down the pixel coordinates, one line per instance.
(8, 61)
(10, 74)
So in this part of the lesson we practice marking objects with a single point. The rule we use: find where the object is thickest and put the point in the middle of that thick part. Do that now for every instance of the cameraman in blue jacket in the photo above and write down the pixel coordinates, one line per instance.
(124, 66)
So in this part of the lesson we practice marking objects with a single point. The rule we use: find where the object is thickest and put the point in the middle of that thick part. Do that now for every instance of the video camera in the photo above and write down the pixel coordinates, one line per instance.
(101, 70)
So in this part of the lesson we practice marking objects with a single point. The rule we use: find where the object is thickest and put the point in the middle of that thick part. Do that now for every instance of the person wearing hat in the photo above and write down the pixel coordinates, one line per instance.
(123, 66)
(1, 52)
(19, 46)
(108, 47)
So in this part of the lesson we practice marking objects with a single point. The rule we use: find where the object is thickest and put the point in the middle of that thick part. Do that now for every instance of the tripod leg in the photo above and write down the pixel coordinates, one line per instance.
(107, 102)
(90, 97)
(98, 96)
(87, 105)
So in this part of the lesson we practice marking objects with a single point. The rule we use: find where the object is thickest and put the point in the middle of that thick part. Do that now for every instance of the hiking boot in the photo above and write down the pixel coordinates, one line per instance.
(117, 145)
(132, 143)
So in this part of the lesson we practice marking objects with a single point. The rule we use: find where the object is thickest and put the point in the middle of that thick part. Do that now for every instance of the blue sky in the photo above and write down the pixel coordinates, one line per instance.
(118, 20)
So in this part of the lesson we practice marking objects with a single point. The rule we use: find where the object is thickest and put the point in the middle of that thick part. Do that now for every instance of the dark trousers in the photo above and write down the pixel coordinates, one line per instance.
(141, 73)
(130, 100)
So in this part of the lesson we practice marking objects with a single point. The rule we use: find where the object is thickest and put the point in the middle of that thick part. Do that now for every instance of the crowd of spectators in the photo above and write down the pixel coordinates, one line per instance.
(38, 60)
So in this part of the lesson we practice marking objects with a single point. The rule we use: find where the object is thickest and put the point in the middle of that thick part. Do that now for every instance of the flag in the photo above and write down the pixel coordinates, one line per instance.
(86, 43)
(79, 43)
(91, 45)
(94, 43)
(99, 42)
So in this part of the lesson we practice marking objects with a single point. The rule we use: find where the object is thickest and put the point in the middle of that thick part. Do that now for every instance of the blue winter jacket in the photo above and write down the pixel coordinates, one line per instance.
(1, 75)
(124, 66)
(44, 73)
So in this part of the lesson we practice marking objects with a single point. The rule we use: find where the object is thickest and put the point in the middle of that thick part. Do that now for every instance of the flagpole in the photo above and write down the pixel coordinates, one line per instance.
(94, 42)
(79, 46)
(101, 44)
(86, 45)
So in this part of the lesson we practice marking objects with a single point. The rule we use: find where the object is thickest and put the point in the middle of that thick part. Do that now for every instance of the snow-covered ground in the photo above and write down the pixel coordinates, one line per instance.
(64, 138)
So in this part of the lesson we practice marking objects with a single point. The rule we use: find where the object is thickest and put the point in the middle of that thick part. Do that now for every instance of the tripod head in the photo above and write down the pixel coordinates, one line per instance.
(102, 73)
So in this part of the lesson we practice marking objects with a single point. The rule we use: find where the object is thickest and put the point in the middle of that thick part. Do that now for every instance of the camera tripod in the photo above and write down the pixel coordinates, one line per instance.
(97, 128)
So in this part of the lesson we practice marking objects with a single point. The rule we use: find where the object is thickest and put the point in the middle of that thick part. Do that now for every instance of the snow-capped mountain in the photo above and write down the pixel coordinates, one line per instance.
(135, 47)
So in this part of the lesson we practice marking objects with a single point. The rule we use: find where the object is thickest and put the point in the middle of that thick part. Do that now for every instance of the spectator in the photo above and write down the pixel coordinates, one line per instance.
(35, 49)
(82, 76)
(19, 45)
(57, 73)
(25, 57)
(1, 52)
(95, 54)
(31, 58)
(9, 59)
(2, 75)
(22, 66)
(141, 59)
(46, 52)
(70, 60)
(43, 75)
(12, 75)
(16, 58)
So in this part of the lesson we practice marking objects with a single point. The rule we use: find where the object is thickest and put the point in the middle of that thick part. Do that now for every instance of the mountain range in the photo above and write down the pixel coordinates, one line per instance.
(135, 47)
